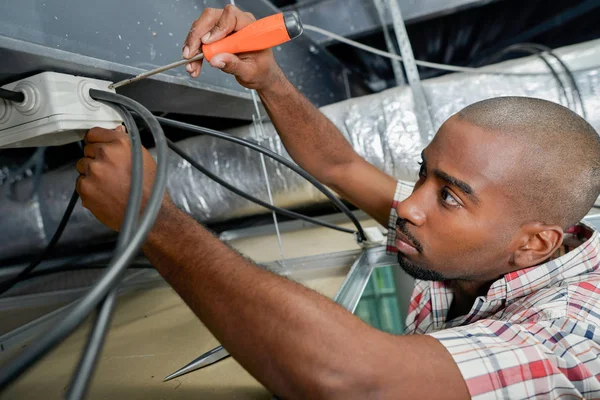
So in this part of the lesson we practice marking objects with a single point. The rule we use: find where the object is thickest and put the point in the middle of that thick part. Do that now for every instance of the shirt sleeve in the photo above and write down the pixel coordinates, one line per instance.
(544, 359)
(403, 190)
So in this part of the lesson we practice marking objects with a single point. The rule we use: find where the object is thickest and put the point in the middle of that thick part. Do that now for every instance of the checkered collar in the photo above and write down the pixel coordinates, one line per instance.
(521, 283)
(518, 284)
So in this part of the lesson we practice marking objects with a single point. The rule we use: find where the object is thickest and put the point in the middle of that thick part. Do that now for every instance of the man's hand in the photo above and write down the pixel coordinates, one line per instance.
(254, 70)
(105, 174)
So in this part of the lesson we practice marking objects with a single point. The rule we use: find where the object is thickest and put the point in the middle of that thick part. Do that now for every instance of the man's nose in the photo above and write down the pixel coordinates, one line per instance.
(413, 208)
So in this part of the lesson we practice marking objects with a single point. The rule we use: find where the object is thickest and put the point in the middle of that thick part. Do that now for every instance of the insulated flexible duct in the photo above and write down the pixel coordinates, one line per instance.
(381, 127)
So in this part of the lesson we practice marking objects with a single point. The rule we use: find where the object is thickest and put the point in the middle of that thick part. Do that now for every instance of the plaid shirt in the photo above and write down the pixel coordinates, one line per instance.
(536, 334)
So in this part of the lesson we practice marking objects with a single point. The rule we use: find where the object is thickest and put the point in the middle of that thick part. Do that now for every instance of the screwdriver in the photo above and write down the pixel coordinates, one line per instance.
(260, 35)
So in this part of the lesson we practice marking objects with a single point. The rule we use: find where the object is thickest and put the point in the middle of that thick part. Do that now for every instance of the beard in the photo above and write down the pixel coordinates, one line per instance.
(409, 267)
(417, 272)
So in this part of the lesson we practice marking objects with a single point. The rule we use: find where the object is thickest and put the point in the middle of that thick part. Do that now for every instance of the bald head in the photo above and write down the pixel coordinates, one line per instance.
(557, 179)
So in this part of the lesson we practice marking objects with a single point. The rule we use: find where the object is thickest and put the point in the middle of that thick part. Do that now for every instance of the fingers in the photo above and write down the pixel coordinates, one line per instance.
(200, 27)
(198, 68)
(194, 68)
(232, 20)
(83, 166)
(220, 61)
(97, 142)
(232, 65)
(212, 25)
(101, 135)
(94, 150)
(192, 43)
(79, 183)
(86, 191)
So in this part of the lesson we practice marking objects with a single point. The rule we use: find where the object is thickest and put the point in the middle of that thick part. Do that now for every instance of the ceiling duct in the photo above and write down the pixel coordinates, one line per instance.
(381, 127)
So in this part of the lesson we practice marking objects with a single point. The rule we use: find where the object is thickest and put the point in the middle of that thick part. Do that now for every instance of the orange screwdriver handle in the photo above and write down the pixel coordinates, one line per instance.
(260, 35)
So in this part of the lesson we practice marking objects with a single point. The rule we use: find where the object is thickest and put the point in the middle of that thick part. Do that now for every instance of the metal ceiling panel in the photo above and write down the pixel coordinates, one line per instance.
(114, 39)
(355, 18)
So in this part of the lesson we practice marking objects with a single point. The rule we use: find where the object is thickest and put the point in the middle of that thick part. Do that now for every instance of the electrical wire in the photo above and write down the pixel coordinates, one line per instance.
(247, 196)
(73, 267)
(455, 68)
(87, 363)
(7, 285)
(259, 130)
(81, 379)
(230, 138)
(443, 67)
(58, 262)
(118, 264)
(572, 80)
(11, 95)
(537, 52)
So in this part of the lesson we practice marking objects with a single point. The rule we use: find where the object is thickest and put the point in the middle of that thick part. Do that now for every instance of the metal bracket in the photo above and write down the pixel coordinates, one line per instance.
(354, 285)
(136, 281)
(348, 296)
(424, 120)
(396, 66)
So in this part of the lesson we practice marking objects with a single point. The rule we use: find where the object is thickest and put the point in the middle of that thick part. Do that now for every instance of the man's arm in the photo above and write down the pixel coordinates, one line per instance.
(318, 146)
(310, 138)
(296, 342)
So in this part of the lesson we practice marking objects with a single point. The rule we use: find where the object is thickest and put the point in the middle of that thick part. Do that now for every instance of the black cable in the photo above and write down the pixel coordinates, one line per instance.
(537, 52)
(7, 285)
(569, 73)
(253, 199)
(538, 49)
(11, 95)
(75, 263)
(85, 369)
(57, 262)
(75, 267)
(221, 135)
(118, 264)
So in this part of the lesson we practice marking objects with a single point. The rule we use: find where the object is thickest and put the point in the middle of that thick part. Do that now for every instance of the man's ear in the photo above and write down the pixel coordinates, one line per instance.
(536, 244)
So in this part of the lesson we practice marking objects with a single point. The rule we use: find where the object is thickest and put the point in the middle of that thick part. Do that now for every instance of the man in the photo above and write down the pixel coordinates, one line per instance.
(494, 313)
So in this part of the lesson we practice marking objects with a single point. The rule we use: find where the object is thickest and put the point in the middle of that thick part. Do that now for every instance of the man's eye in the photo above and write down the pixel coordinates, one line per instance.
(448, 198)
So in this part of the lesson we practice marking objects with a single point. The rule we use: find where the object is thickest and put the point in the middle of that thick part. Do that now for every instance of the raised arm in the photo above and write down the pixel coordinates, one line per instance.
(310, 138)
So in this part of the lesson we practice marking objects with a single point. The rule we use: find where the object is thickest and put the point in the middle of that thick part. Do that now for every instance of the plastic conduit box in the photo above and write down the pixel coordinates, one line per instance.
(57, 110)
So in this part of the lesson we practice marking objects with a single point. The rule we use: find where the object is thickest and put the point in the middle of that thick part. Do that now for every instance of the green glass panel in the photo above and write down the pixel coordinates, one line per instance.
(378, 306)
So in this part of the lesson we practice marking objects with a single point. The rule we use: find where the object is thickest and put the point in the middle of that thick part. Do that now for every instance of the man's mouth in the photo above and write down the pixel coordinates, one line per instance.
(404, 244)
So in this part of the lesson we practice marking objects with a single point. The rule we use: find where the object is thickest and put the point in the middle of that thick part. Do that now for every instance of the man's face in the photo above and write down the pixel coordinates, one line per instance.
(458, 223)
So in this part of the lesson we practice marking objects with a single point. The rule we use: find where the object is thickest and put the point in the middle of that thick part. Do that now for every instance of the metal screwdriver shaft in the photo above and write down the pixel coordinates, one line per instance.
(156, 71)
(260, 35)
